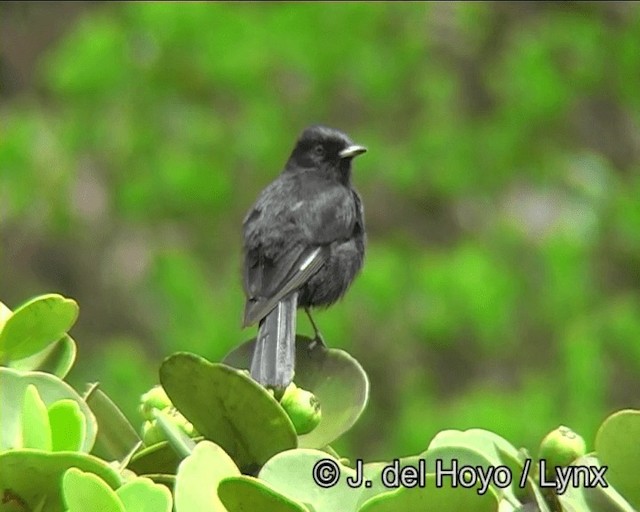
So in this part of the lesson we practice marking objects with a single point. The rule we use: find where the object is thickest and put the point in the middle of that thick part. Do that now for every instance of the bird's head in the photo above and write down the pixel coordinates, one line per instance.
(325, 149)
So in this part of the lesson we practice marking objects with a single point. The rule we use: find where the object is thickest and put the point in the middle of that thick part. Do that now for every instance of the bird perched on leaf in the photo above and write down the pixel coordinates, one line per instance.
(304, 243)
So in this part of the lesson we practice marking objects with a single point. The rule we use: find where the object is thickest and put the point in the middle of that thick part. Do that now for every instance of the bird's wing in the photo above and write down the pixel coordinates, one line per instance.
(287, 236)
(308, 264)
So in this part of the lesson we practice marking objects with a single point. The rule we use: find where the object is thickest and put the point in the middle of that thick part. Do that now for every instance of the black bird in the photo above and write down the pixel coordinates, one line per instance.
(304, 243)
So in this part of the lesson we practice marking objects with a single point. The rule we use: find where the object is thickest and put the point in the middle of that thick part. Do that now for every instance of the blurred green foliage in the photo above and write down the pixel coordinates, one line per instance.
(501, 194)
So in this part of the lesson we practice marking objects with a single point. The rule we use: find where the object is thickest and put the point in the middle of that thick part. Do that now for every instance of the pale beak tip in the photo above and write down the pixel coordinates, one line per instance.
(351, 151)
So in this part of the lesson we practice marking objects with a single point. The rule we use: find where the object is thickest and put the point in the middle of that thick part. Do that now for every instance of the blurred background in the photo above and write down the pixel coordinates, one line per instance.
(501, 287)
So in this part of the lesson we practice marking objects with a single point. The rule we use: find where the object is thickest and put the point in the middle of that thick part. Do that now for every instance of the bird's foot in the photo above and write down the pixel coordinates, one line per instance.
(317, 340)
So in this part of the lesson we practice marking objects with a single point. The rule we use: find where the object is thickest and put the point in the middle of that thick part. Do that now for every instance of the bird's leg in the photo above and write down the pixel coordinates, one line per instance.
(318, 339)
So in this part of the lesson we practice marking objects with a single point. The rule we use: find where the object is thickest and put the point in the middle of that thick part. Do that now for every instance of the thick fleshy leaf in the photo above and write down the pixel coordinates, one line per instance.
(373, 472)
(142, 495)
(464, 447)
(482, 441)
(36, 324)
(198, 478)
(591, 497)
(34, 474)
(243, 493)
(227, 407)
(291, 474)
(169, 481)
(86, 492)
(332, 375)
(452, 458)
(506, 453)
(430, 497)
(57, 358)
(159, 458)
(116, 436)
(618, 448)
(36, 430)
(13, 385)
(68, 426)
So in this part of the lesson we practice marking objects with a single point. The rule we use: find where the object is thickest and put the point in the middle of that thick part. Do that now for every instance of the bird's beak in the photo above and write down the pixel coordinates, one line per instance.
(351, 151)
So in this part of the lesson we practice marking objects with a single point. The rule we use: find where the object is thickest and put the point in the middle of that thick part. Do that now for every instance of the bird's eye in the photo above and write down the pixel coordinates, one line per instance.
(319, 150)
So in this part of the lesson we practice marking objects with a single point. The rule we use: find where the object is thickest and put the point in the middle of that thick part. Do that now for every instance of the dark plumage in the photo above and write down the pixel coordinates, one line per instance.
(304, 242)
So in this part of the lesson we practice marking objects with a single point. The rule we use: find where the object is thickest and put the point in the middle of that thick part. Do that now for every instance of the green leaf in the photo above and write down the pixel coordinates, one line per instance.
(291, 474)
(482, 441)
(142, 495)
(13, 385)
(228, 407)
(476, 447)
(33, 475)
(618, 448)
(36, 431)
(116, 436)
(333, 376)
(438, 499)
(57, 358)
(86, 492)
(169, 481)
(597, 498)
(68, 426)
(373, 472)
(198, 478)
(448, 455)
(158, 458)
(36, 324)
(242, 493)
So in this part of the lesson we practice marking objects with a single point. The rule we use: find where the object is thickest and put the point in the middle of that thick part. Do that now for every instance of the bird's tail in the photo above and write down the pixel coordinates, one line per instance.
(274, 355)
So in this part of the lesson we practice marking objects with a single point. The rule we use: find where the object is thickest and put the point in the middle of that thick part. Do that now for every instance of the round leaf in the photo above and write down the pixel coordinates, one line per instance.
(169, 481)
(226, 406)
(430, 497)
(198, 477)
(373, 472)
(13, 385)
(242, 493)
(36, 431)
(158, 458)
(618, 447)
(445, 457)
(68, 426)
(36, 324)
(291, 474)
(57, 358)
(142, 495)
(596, 497)
(34, 474)
(86, 492)
(332, 375)
(483, 441)
(476, 447)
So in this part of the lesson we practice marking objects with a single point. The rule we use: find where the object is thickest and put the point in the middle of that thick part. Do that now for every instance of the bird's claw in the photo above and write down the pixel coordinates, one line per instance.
(318, 340)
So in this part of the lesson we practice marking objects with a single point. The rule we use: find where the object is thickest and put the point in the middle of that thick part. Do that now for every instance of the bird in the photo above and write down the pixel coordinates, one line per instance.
(304, 243)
